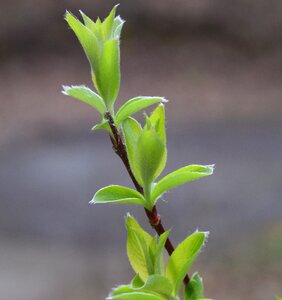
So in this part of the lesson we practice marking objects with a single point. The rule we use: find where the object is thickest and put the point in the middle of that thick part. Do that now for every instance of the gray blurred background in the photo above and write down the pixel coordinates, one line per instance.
(220, 65)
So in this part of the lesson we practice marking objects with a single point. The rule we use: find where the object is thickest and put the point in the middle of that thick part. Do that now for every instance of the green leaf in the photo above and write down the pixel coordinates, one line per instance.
(136, 295)
(132, 131)
(90, 24)
(103, 125)
(86, 38)
(179, 177)
(137, 282)
(158, 262)
(138, 242)
(194, 289)
(134, 105)
(107, 76)
(117, 194)
(152, 251)
(182, 258)
(156, 286)
(150, 151)
(107, 25)
(157, 120)
(85, 95)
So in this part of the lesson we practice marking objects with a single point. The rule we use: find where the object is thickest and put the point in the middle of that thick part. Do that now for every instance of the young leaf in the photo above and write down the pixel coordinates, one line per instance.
(133, 224)
(182, 258)
(90, 24)
(137, 282)
(138, 242)
(117, 194)
(134, 105)
(107, 76)
(107, 25)
(194, 289)
(103, 125)
(85, 95)
(150, 151)
(130, 294)
(132, 131)
(157, 120)
(152, 251)
(179, 177)
(156, 286)
(86, 38)
(158, 262)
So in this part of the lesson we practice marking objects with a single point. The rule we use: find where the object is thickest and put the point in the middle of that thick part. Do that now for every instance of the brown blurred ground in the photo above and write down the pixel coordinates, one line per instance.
(220, 65)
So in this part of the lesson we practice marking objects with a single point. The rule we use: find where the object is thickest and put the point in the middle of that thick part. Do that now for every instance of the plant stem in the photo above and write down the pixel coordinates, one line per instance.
(153, 216)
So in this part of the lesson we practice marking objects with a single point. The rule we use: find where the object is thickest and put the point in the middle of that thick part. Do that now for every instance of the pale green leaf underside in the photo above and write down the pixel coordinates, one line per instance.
(138, 242)
(86, 95)
(134, 105)
(117, 194)
(158, 263)
(179, 177)
(133, 224)
(182, 258)
(133, 295)
(156, 286)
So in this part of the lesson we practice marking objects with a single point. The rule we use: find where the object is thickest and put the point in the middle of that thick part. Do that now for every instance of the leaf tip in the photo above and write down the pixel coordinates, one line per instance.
(207, 234)
(211, 169)
(66, 14)
(122, 21)
(92, 201)
(128, 216)
(65, 89)
(94, 127)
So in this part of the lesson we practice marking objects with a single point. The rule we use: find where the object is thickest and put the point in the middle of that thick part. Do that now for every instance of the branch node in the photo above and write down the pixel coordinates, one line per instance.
(155, 220)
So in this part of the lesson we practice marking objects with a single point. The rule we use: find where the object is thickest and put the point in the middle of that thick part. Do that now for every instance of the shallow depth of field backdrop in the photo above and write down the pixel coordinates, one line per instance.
(220, 65)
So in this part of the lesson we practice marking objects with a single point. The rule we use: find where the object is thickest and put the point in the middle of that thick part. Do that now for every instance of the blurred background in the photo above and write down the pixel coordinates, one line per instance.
(220, 65)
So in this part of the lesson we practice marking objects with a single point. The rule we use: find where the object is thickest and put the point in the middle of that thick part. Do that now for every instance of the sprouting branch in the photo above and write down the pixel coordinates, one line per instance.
(153, 216)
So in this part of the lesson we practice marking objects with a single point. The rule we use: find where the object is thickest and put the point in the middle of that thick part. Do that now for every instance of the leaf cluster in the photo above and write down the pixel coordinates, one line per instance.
(154, 279)
(147, 154)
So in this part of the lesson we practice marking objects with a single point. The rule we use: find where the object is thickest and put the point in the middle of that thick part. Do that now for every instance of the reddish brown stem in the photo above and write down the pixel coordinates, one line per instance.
(153, 216)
